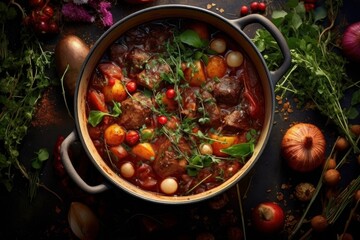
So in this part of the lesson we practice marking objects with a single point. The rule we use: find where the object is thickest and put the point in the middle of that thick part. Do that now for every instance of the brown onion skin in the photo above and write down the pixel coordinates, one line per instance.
(299, 157)
(70, 50)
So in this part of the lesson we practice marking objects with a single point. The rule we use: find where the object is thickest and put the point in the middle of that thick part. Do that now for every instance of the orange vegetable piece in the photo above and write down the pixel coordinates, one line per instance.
(222, 142)
(114, 134)
(115, 92)
(216, 67)
(195, 75)
(144, 150)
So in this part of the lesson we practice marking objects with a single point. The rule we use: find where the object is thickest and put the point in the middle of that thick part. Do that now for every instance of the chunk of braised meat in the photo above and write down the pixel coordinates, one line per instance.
(158, 35)
(184, 147)
(166, 163)
(236, 120)
(135, 111)
(135, 36)
(150, 77)
(189, 102)
(118, 53)
(136, 60)
(227, 90)
(211, 109)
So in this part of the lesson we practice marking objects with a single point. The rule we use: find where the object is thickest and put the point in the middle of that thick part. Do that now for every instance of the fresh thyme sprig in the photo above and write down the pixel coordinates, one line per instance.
(23, 78)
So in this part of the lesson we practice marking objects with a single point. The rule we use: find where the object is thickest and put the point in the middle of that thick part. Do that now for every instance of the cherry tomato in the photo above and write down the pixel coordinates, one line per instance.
(268, 217)
(54, 28)
(170, 93)
(201, 29)
(111, 81)
(38, 15)
(310, 1)
(36, 3)
(48, 11)
(244, 10)
(132, 137)
(254, 6)
(262, 7)
(131, 86)
(41, 27)
(309, 6)
(162, 120)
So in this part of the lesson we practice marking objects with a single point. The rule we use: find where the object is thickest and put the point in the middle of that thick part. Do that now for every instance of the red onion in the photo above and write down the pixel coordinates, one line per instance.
(351, 41)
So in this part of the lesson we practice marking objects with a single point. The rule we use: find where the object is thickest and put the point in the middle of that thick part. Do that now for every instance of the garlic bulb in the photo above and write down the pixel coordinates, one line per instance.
(83, 222)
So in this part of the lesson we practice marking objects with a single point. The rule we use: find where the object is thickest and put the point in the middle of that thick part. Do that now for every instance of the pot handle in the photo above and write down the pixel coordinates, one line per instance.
(72, 171)
(276, 34)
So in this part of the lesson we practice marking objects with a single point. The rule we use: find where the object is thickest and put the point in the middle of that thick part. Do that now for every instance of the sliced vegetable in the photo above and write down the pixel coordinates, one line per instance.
(144, 150)
(97, 100)
(222, 142)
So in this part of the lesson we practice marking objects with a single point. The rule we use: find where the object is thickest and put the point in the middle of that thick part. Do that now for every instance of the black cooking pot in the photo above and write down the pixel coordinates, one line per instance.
(234, 29)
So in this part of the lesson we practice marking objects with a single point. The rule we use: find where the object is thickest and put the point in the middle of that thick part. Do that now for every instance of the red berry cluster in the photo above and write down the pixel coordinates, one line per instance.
(42, 18)
(309, 5)
(255, 7)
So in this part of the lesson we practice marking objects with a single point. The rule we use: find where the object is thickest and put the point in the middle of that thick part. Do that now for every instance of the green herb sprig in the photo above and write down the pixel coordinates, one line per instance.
(95, 117)
(317, 72)
(23, 77)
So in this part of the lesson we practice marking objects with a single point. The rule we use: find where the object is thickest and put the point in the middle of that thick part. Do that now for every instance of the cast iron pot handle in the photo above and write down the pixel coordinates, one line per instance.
(71, 170)
(274, 31)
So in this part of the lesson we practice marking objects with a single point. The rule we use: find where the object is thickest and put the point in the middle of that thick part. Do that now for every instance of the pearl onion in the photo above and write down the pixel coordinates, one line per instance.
(127, 170)
(169, 186)
(218, 45)
(234, 59)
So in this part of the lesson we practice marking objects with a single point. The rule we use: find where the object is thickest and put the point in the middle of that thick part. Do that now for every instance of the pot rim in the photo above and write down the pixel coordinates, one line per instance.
(268, 119)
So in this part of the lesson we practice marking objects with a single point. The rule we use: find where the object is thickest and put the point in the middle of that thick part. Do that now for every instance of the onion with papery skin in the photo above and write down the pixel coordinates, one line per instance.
(303, 147)
(351, 41)
(70, 52)
(83, 222)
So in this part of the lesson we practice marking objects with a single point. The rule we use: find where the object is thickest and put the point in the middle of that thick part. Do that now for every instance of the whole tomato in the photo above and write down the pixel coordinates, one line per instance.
(132, 137)
(36, 3)
(268, 217)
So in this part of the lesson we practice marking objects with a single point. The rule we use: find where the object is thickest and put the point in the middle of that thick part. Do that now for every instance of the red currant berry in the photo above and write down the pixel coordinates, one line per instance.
(131, 86)
(244, 10)
(170, 93)
(162, 120)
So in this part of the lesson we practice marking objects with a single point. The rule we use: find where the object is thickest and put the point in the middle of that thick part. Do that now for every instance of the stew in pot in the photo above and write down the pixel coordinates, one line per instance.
(175, 107)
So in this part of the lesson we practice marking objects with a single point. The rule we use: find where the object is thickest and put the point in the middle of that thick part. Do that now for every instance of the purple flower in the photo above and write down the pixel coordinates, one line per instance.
(106, 16)
(77, 13)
